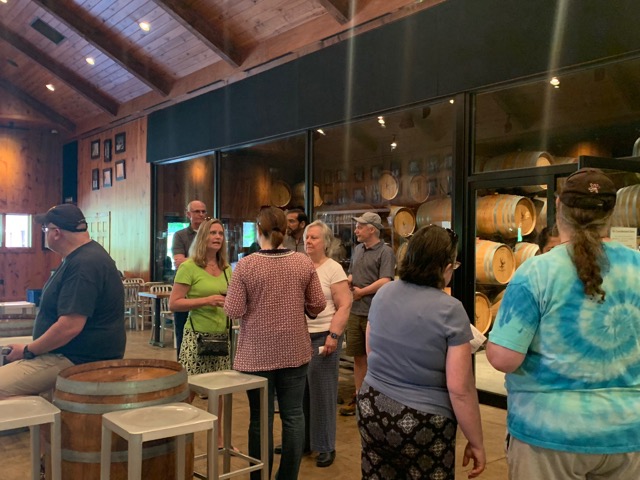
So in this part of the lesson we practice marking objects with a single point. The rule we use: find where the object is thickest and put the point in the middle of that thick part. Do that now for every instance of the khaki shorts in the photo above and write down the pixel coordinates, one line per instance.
(528, 462)
(32, 377)
(356, 335)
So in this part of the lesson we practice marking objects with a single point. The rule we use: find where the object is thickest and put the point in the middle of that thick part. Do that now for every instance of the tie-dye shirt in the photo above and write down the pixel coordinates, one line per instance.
(578, 389)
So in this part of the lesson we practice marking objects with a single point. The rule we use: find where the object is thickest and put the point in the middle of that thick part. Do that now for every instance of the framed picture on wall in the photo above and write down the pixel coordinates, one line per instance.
(415, 166)
(95, 149)
(121, 172)
(107, 150)
(95, 179)
(121, 142)
(106, 177)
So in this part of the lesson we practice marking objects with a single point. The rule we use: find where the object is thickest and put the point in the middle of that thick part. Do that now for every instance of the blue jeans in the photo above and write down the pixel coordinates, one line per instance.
(289, 384)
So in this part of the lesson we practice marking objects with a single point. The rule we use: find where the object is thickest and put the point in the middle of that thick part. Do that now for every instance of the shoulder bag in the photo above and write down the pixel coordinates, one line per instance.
(213, 344)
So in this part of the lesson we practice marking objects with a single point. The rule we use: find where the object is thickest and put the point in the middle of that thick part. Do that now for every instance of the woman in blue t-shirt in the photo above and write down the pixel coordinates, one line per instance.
(419, 384)
(568, 337)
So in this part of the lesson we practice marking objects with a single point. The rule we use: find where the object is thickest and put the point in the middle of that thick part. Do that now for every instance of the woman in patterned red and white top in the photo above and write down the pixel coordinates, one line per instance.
(270, 293)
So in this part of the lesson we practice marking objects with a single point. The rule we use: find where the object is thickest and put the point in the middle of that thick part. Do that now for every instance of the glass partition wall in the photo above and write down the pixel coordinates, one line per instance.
(523, 142)
(270, 173)
(398, 165)
(176, 185)
(528, 138)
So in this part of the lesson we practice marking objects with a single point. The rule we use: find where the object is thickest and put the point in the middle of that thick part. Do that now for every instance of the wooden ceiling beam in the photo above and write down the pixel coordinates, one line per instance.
(341, 10)
(67, 12)
(65, 74)
(221, 44)
(48, 112)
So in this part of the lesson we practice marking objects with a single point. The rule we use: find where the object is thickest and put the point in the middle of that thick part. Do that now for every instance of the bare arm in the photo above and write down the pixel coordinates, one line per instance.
(342, 300)
(178, 302)
(504, 359)
(358, 293)
(60, 333)
(464, 400)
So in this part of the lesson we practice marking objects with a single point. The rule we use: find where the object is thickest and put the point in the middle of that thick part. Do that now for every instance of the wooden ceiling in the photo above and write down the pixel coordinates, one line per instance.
(193, 46)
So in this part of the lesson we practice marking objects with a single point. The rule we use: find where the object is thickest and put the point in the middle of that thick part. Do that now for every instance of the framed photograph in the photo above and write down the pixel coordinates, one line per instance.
(121, 172)
(358, 174)
(95, 179)
(358, 195)
(121, 142)
(415, 166)
(448, 162)
(107, 150)
(106, 177)
(433, 165)
(341, 176)
(95, 149)
(376, 170)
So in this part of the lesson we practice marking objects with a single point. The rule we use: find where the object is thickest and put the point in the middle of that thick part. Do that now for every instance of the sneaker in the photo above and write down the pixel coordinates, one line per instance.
(349, 409)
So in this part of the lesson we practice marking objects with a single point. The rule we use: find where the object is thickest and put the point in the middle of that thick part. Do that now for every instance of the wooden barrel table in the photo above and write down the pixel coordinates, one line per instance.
(84, 392)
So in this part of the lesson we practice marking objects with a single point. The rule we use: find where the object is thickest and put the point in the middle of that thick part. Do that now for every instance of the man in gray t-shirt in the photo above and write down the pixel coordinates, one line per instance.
(372, 265)
(182, 240)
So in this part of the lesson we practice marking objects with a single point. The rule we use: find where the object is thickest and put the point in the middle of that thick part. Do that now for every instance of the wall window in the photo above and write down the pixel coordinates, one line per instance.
(15, 231)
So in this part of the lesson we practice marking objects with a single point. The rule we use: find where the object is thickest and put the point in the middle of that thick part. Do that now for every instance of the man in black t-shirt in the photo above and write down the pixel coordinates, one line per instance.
(81, 317)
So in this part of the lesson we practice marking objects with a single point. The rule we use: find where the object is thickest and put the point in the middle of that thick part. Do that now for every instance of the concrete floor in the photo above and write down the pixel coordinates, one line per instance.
(14, 449)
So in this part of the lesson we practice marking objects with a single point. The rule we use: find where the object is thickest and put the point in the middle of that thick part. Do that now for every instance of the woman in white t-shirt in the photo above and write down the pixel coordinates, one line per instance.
(326, 336)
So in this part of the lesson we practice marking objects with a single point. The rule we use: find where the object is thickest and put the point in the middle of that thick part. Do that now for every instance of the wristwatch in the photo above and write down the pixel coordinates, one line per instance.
(333, 335)
(26, 354)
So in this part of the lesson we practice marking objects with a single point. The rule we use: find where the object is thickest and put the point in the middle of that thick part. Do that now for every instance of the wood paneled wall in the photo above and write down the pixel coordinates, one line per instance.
(30, 182)
(128, 200)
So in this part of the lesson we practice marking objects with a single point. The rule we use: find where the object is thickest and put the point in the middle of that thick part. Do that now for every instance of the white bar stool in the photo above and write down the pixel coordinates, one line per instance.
(228, 382)
(153, 423)
(18, 412)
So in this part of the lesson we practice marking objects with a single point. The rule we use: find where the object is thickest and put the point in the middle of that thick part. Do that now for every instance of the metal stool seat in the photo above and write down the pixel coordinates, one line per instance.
(17, 412)
(153, 423)
(228, 382)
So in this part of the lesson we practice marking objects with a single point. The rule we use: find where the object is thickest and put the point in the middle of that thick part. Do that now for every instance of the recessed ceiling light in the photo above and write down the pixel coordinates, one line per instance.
(3, 1)
(90, 60)
(452, 101)
(50, 87)
(145, 26)
(320, 131)
(555, 82)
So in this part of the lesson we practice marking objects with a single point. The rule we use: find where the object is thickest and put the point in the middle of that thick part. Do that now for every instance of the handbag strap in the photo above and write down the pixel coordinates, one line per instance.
(228, 320)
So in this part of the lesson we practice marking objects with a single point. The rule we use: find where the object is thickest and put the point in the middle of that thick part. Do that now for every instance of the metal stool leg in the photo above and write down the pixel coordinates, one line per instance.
(180, 454)
(56, 453)
(34, 432)
(105, 454)
(135, 458)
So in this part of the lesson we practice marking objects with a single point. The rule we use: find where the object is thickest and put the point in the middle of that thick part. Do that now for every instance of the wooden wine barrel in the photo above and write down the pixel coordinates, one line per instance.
(482, 313)
(298, 197)
(627, 210)
(504, 214)
(403, 220)
(524, 251)
(84, 392)
(495, 263)
(512, 160)
(541, 213)
(495, 306)
(434, 212)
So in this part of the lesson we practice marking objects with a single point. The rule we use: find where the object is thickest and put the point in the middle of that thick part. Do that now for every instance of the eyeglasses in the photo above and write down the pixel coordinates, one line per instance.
(46, 228)
(453, 236)
(199, 212)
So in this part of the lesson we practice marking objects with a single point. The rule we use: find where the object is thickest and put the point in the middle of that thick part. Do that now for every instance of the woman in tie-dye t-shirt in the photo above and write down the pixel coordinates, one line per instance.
(568, 337)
